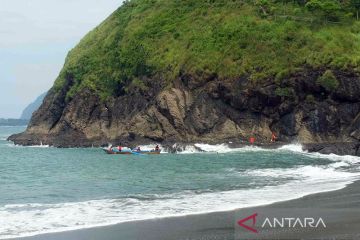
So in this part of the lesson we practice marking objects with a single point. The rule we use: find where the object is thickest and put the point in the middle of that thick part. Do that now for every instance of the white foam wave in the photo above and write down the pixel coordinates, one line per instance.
(38, 146)
(295, 148)
(219, 148)
(32, 219)
(224, 148)
(189, 149)
(33, 146)
(345, 158)
(311, 173)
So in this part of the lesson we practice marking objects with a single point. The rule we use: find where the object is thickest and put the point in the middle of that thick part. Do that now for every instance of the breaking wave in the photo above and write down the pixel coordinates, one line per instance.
(294, 148)
(33, 219)
(36, 218)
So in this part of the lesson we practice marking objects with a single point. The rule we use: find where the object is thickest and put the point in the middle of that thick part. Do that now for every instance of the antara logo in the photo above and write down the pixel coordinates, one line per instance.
(253, 218)
(294, 222)
(289, 222)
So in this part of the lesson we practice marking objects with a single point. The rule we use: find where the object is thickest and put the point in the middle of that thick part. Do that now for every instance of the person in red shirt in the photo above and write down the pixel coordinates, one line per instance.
(273, 137)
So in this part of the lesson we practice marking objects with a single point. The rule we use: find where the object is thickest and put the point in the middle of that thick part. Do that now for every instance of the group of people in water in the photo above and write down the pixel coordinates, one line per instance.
(272, 140)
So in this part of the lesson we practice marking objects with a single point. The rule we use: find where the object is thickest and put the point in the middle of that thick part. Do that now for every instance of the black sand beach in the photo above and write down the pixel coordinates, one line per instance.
(339, 209)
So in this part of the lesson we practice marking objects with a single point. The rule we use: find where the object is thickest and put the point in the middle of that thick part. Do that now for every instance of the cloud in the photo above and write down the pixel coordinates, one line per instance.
(41, 21)
(35, 36)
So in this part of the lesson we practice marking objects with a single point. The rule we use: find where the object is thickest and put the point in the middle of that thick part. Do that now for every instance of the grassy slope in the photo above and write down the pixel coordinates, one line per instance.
(229, 38)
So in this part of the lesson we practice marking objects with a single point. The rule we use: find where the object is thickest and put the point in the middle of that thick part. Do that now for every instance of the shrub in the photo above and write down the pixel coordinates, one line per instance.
(284, 92)
(328, 81)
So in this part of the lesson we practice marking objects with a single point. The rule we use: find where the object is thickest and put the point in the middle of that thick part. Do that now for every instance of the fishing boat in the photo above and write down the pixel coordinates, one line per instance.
(127, 151)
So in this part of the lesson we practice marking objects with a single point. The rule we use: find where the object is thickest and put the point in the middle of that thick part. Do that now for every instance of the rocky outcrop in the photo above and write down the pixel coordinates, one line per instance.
(205, 109)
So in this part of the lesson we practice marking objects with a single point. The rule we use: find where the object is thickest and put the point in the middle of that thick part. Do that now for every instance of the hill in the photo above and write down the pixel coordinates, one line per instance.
(32, 107)
(209, 71)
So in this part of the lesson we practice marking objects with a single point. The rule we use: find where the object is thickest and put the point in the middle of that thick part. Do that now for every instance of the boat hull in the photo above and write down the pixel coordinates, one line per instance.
(110, 151)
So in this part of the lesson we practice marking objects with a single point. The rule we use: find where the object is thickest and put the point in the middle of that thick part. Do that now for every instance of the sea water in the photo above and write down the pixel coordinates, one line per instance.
(45, 189)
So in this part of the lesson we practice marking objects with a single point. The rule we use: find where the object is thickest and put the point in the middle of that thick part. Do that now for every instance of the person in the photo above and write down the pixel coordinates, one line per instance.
(157, 148)
(119, 148)
(273, 137)
(138, 149)
(252, 140)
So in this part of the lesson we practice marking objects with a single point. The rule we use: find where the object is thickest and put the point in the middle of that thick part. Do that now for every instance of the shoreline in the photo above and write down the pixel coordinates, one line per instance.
(338, 148)
(351, 148)
(221, 225)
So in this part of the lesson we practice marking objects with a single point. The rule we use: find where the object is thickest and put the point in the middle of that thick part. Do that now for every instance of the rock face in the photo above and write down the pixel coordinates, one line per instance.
(211, 110)
(214, 72)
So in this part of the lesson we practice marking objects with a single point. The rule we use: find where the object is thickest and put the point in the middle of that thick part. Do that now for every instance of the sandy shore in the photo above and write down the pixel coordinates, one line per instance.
(340, 211)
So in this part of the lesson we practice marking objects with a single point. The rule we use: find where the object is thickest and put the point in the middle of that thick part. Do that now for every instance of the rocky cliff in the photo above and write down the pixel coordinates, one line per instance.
(316, 103)
(210, 110)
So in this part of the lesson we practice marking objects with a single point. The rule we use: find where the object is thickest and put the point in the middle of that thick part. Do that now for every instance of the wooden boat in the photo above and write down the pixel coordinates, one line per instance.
(147, 152)
(127, 152)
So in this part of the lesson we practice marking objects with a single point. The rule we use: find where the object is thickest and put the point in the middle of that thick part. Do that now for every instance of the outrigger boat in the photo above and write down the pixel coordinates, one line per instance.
(125, 150)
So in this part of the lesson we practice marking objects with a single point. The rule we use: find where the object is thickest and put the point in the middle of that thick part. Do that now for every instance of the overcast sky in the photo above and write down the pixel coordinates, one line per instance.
(35, 36)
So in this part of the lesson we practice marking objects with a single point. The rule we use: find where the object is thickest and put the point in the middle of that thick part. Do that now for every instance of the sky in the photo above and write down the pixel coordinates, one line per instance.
(35, 36)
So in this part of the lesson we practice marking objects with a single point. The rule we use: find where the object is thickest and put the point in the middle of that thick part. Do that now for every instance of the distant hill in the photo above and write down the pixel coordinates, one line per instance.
(32, 107)
(13, 122)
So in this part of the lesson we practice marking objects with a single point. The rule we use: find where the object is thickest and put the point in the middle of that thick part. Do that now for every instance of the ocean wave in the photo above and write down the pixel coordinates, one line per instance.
(32, 146)
(312, 173)
(294, 148)
(34, 219)
(38, 146)
(225, 148)
(218, 148)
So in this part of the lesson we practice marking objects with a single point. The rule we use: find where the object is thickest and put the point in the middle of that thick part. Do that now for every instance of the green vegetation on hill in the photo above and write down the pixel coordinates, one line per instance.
(264, 40)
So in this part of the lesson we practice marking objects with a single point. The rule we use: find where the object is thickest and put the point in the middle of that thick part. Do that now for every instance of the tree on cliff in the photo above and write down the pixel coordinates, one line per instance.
(355, 4)
(329, 9)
